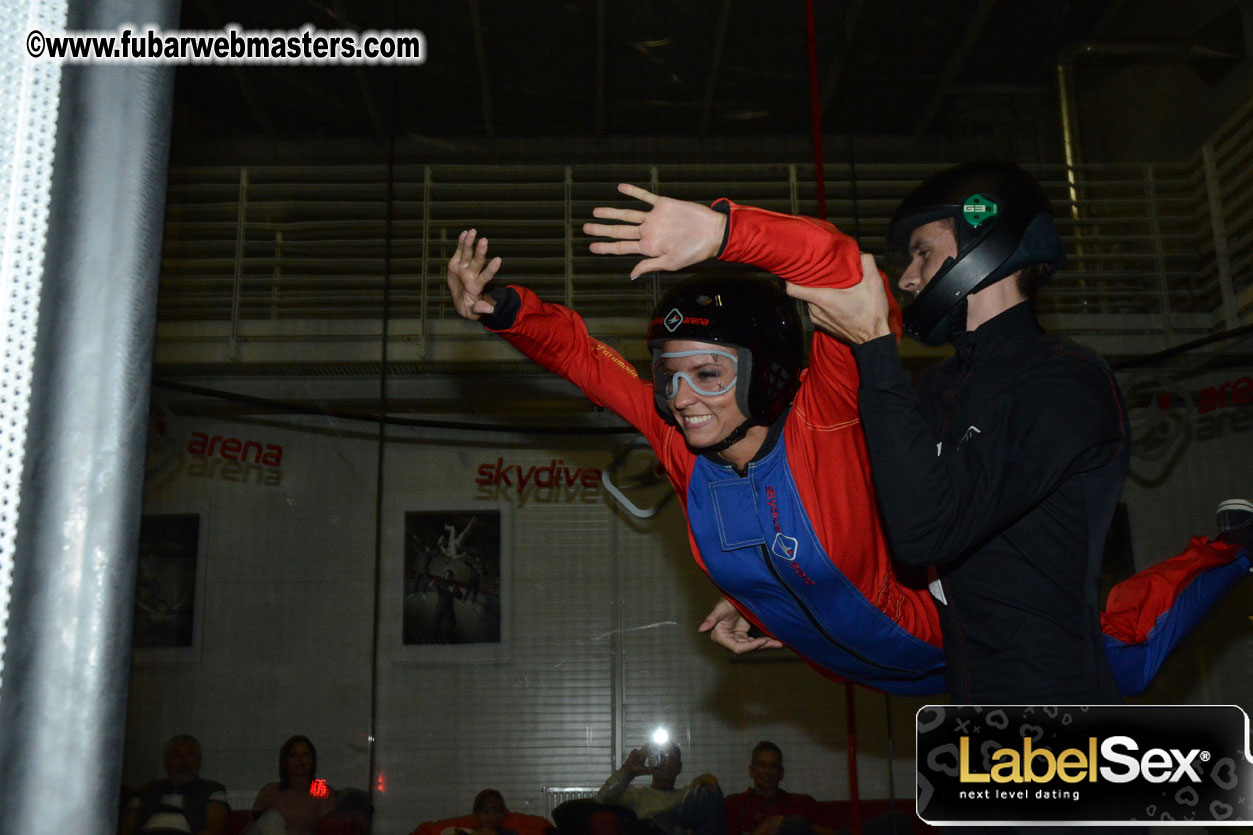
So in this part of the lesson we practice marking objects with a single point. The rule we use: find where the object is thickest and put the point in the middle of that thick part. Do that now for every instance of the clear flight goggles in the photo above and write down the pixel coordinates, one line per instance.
(714, 375)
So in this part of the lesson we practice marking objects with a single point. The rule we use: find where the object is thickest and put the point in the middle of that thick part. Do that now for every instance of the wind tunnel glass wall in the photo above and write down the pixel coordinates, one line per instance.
(485, 614)
(529, 632)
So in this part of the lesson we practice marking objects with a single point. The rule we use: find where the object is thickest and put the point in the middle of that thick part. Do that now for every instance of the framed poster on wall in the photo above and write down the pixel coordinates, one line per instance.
(455, 593)
(169, 587)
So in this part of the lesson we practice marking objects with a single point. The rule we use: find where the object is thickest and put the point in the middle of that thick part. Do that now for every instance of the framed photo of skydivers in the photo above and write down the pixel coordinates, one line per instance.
(455, 594)
(169, 586)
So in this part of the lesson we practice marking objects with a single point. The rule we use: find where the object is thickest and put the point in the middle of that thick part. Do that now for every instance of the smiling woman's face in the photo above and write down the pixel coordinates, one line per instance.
(698, 379)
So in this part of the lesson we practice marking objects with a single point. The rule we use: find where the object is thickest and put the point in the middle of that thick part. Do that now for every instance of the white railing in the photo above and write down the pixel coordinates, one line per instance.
(1161, 248)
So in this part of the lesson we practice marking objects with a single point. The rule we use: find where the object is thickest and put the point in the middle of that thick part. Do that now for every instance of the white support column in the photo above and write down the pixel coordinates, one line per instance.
(1159, 259)
(1218, 225)
(241, 239)
(423, 311)
(569, 236)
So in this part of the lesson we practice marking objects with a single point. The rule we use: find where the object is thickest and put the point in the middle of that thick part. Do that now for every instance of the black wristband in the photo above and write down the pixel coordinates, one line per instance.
(723, 205)
(508, 305)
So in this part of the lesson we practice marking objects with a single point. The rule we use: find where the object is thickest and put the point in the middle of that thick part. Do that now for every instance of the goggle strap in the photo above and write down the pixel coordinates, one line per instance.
(680, 354)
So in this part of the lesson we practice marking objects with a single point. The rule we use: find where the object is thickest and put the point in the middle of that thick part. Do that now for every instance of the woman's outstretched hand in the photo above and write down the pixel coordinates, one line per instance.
(673, 234)
(469, 272)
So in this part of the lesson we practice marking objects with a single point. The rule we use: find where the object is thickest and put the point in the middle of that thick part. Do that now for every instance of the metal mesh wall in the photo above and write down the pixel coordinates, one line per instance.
(27, 136)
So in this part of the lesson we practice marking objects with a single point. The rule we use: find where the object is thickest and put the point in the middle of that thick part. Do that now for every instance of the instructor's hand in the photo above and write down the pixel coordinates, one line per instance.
(728, 629)
(673, 234)
(854, 314)
(469, 271)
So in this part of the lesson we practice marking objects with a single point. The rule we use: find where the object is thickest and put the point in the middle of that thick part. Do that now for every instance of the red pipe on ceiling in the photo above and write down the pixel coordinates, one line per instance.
(820, 182)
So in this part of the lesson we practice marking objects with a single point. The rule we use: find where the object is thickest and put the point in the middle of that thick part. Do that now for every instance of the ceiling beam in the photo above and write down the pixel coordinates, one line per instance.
(363, 82)
(1107, 17)
(241, 78)
(835, 72)
(720, 37)
(955, 62)
(318, 92)
(480, 54)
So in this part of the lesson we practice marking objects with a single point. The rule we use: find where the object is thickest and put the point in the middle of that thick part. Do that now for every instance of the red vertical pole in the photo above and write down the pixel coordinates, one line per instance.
(814, 114)
(854, 799)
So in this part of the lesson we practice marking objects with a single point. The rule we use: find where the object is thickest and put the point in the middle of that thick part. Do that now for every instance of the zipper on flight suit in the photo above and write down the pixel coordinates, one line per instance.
(804, 607)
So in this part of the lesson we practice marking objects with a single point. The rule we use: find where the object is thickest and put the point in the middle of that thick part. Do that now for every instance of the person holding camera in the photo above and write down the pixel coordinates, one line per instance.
(696, 808)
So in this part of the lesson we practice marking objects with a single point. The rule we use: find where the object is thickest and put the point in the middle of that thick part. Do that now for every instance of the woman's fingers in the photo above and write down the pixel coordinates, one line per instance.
(624, 215)
(638, 193)
(621, 231)
(615, 247)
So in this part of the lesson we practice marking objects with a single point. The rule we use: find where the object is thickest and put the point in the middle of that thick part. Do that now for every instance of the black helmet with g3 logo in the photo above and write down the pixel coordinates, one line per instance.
(1002, 221)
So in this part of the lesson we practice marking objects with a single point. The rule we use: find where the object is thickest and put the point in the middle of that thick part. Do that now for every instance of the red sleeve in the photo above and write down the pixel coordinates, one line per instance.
(812, 253)
(802, 250)
(557, 338)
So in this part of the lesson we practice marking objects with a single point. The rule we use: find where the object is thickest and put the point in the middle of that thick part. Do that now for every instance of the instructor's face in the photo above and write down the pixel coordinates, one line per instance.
(930, 245)
(704, 418)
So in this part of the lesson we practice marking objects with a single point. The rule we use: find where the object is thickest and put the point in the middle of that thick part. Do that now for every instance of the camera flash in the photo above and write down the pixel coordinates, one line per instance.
(661, 736)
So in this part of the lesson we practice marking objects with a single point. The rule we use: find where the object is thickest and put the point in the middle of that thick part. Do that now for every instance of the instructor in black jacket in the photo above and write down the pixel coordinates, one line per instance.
(1002, 470)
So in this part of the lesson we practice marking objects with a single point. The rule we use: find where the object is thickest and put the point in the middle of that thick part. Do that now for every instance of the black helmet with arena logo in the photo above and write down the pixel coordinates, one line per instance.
(750, 313)
(1002, 221)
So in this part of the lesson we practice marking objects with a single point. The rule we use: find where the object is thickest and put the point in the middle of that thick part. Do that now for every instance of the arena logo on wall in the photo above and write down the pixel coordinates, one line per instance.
(1170, 765)
(175, 450)
(1167, 417)
(555, 481)
(235, 459)
(1217, 409)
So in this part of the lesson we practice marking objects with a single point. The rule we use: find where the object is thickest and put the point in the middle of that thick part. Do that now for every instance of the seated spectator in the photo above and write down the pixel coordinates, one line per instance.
(696, 807)
(295, 804)
(489, 813)
(584, 816)
(182, 802)
(766, 809)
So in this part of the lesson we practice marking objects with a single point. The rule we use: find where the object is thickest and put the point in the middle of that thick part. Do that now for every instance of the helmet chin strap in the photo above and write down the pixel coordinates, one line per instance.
(957, 319)
(737, 434)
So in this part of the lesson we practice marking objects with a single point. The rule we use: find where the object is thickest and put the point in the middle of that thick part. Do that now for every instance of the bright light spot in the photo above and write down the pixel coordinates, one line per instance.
(661, 736)
(382, 786)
